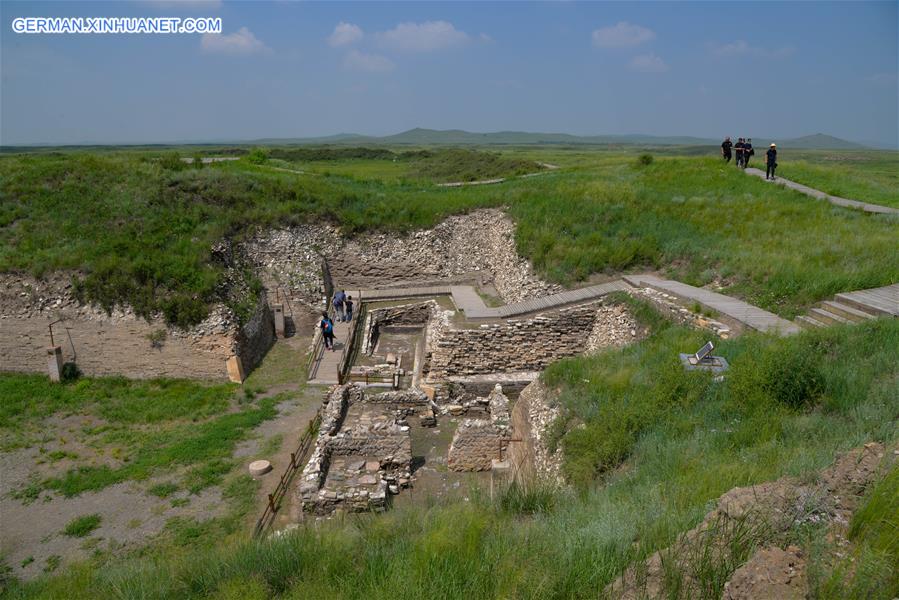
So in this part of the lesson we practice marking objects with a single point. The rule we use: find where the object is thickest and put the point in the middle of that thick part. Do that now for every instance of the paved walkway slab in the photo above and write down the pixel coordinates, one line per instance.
(746, 314)
(845, 202)
(467, 299)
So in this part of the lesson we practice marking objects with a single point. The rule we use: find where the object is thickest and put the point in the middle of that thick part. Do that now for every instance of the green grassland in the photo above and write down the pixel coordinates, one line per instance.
(678, 441)
(646, 446)
(135, 430)
(136, 228)
(868, 176)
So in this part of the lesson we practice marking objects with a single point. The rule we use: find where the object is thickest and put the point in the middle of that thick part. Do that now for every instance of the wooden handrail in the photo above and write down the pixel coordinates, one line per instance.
(274, 500)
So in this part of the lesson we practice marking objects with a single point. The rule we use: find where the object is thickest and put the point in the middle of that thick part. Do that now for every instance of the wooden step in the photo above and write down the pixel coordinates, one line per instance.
(819, 314)
(845, 311)
(807, 322)
(863, 302)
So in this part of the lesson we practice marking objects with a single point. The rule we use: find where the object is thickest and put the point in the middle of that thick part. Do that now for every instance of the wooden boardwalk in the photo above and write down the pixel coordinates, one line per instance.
(324, 367)
(882, 301)
(743, 313)
(467, 299)
(844, 202)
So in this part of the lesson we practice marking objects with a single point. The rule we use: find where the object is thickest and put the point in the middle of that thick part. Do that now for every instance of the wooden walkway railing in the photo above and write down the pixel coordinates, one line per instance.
(297, 459)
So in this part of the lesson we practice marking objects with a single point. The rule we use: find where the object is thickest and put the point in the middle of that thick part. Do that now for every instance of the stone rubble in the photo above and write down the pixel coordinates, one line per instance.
(669, 305)
(614, 327)
(479, 245)
(542, 415)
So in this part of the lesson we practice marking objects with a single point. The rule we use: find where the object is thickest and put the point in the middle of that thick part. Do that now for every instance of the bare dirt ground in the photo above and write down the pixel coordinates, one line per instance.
(32, 538)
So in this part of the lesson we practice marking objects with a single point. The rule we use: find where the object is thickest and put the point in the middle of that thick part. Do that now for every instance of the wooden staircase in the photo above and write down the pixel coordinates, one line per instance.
(853, 307)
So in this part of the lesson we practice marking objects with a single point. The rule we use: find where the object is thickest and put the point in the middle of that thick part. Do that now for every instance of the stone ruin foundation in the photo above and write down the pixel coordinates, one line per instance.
(363, 452)
(479, 441)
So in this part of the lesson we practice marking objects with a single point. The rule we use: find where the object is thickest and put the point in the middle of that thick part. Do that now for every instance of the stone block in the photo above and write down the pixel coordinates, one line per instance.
(278, 310)
(54, 363)
(235, 369)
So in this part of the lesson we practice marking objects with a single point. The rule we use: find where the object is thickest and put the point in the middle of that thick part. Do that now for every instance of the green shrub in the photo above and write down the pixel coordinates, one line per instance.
(82, 526)
(644, 159)
(792, 374)
(257, 156)
(171, 161)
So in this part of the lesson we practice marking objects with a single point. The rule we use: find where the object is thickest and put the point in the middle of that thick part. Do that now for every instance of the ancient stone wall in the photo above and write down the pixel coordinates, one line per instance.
(100, 346)
(475, 444)
(405, 398)
(256, 337)
(120, 342)
(418, 314)
(478, 441)
(531, 458)
(517, 345)
(392, 446)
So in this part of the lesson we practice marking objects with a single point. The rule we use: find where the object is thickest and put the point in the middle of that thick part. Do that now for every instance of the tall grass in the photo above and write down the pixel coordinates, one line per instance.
(140, 234)
(681, 455)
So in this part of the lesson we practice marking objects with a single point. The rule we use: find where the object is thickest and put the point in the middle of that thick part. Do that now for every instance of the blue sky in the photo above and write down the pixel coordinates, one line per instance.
(296, 69)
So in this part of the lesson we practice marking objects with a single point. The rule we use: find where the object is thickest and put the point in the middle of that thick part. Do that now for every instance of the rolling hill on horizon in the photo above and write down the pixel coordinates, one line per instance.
(421, 136)
(458, 137)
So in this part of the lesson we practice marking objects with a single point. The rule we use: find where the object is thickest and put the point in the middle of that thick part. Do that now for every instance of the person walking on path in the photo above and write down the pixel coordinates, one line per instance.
(738, 150)
(327, 327)
(348, 305)
(771, 162)
(747, 152)
(726, 146)
(339, 299)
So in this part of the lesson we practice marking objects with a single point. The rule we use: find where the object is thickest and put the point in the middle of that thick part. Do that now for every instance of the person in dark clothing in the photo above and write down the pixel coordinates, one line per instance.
(747, 152)
(738, 150)
(327, 327)
(726, 146)
(339, 297)
(348, 307)
(771, 162)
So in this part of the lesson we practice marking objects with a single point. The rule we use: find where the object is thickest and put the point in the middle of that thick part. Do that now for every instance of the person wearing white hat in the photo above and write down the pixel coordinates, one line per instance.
(771, 155)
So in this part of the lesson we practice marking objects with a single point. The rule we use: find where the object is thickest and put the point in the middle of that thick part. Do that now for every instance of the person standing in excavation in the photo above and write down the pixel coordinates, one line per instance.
(771, 162)
(339, 299)
(726, 146)
(348, 308)
(327, 327)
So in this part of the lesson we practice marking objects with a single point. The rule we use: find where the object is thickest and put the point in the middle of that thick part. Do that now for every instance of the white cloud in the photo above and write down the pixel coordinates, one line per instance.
(648, 63)
(372, 63)
(423, 37)
(240, 42)
(743, 48)
(345, 34)
(622, 35)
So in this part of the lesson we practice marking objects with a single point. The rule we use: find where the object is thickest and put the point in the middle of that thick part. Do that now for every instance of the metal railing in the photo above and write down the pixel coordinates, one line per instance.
(275, 499)
(347, 356)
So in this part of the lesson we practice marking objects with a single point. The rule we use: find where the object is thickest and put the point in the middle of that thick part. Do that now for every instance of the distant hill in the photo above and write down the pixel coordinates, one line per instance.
(818, 141)
(458, 137)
